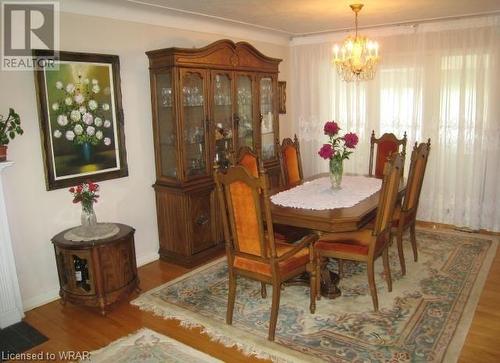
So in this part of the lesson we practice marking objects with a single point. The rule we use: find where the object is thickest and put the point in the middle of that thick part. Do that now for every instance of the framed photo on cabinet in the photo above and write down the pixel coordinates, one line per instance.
(81, 118)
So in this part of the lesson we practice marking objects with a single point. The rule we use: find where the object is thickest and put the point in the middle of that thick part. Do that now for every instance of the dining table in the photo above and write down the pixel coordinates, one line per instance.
(310, 211)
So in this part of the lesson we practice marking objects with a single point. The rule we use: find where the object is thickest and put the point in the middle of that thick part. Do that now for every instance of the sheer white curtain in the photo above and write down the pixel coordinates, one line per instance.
(438, 81)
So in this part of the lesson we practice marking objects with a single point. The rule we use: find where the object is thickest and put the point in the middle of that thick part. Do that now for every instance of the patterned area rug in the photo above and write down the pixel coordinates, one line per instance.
(147, 346)
(425, 318)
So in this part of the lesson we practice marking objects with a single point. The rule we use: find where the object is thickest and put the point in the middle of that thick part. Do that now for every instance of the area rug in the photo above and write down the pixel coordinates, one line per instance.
(425, 318)
(148, 346)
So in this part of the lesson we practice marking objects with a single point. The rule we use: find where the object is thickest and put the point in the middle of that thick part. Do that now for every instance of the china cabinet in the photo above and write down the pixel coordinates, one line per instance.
(206, 102)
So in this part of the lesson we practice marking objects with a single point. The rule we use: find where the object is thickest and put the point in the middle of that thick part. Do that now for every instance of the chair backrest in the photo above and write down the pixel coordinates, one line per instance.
(386, 144)
(249, 160)
(388, 197)
(290, 161)
(418, 164)
(243, 199)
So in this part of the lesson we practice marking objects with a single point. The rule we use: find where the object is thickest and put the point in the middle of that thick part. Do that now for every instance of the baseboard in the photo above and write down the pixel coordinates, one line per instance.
(53, 294)
(145, 259)
(41, 299)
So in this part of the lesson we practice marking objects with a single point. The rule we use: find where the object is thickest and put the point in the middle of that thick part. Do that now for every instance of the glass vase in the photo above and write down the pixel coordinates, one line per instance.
(88, 217)
(336, 171)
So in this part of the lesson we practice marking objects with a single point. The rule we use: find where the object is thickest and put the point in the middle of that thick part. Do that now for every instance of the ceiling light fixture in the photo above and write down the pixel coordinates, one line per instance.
(357, 58)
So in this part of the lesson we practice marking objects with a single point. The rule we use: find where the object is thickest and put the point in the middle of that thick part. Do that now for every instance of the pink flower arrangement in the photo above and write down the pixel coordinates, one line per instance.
(337, 147)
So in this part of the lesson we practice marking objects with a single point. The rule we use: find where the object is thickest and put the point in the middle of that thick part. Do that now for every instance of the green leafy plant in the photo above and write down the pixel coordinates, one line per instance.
(10, 127)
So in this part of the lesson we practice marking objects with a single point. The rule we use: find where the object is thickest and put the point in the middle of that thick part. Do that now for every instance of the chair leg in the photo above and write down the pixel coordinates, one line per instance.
(312, 292)
(263, 291)
(318, 276)
(401, 252)
(371, 284)
(274, 311)
(231, 298)
(387, 268)
(341, 267)
(413, 241)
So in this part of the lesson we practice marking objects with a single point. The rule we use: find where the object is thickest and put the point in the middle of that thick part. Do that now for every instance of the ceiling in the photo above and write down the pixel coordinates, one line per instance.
(302, 17)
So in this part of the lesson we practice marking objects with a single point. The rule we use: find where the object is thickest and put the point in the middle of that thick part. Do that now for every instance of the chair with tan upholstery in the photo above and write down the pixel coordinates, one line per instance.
(386, 144)
(290, 161)
(251, 252)
(368, 244)
(406, 214)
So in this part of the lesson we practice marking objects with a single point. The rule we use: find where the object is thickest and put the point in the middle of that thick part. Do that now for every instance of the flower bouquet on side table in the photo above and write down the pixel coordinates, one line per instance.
(86, 194)
(337, 150)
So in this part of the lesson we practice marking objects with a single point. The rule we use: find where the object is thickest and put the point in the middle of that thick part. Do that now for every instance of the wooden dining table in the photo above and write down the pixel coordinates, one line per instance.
(328, 221)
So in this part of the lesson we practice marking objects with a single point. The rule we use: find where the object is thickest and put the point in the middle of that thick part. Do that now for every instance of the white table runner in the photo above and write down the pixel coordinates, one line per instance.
(319, 195)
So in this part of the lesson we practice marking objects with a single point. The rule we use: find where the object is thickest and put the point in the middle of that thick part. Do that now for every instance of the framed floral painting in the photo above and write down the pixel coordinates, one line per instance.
(81, 118)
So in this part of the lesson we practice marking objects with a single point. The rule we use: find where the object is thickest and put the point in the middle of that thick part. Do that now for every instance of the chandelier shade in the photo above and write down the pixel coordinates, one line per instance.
(357, 58)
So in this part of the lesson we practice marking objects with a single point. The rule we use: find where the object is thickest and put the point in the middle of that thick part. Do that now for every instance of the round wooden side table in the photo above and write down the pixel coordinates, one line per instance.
(97, 273)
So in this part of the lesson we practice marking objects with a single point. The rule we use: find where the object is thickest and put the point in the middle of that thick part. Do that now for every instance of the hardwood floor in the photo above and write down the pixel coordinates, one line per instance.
(76, 328)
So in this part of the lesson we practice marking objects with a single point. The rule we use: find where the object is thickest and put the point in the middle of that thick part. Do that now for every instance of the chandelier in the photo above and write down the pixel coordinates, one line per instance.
(357, 58)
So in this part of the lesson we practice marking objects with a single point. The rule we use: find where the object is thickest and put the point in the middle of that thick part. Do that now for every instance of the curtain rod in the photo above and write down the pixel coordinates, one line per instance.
(413, 23)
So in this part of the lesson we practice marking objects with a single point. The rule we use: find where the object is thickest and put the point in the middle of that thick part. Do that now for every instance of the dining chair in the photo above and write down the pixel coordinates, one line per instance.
(405, 215)
(366, 245)
(249, 159)
(253, 252)
(290, 161)
(387, 144)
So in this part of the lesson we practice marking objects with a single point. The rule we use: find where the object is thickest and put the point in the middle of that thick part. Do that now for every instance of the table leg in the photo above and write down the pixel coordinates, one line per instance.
(329, 282)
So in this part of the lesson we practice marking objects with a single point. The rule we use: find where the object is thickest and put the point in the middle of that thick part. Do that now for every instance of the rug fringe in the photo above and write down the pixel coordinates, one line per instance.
(248, 345)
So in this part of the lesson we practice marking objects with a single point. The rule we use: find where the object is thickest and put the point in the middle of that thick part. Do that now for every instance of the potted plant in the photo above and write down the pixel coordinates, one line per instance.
(10, 126)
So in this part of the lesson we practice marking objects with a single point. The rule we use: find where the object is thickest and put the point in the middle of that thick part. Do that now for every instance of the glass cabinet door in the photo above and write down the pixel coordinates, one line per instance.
(267, 111)
(194, 118)
(167, 131)
(222, 117)
(244, 111)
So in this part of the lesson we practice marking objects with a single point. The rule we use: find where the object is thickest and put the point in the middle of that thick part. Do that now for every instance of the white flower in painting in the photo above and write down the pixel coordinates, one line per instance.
(55, 106)
(90, 130)
(86, 81)
(92, 104)
(62, 120)
(68, 101)
(70, 135)
(57, 134)
(107, 141)
(78, 129)
(88, 118)
(99, 135)
(107, 123)
(105, 106)
(82, 109)
(59, 85)
(96, 88)
(70, 88)
(75, 115)
(95, 81)
(79, 98)
(98, 121)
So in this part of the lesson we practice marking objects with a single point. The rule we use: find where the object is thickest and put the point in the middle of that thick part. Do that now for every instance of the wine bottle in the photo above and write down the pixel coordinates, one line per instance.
(78, 269)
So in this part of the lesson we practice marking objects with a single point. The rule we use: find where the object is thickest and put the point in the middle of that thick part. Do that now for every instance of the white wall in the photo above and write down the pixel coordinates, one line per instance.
(35, 215)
